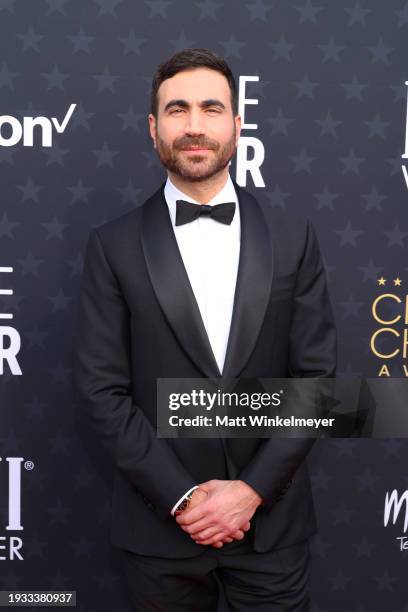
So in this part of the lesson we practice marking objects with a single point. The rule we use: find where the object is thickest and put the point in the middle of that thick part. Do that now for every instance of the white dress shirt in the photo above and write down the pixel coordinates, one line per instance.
(210, 253)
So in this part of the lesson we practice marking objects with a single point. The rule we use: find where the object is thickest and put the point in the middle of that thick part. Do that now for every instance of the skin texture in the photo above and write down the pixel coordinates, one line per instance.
(195, 112)
(227, 510)
(200, 174)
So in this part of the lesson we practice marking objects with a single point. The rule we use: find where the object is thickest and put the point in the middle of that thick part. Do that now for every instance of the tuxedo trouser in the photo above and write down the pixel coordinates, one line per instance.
(274, 581)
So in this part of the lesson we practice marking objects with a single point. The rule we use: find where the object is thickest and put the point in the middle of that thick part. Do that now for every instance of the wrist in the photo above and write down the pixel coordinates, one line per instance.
(255, 497)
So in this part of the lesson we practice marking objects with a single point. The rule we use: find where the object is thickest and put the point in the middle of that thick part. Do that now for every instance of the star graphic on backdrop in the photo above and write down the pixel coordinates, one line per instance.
(402, 15)
(30, 190)
(277, 197)
(376, 126)
(107, 7)
(36, 337)
(131, 119)
(59, 513)
(259, 10)
(181, 43)
(54, 228)
(157, 7)
(351, 308)
(60, 443)
(339, 582)
(351, 163)
(366, 480)
(320, 546)
(396, 237)
(363, 548)
(382, 281)
(328, 125)
(348, 235)
(397, 282)
(60, 374)
(7, 155)
(308, 12)
(370, 271)
(82, 548)
(374, 200)
(129, 193)
(302, 161)
(354, 89)
(357, 14)
(80, 118)
(7, 77)
(331, 51)
(281, 49)
(320, 479)
(380, 52)
(305, 87)
(7, 5)
(76, 265)
(342, 514)
(105, 155)
(279, 124)
(106, 80)
(345, 447)
(395, 163)
(34, 547)
(325, 199)
(60, 301)
(30, 39)
(385, 582)
(30, 264)
(80, 192)
(132, 44)
(7, 227)
(56, 6)
(232, 47)
(55, 155)
(81, 41)
(208, 8)
(400, 91)
(55, 78)
(392, 448)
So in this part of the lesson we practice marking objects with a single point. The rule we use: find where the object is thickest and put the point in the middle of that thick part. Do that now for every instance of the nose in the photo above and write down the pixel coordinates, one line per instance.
(193, 125)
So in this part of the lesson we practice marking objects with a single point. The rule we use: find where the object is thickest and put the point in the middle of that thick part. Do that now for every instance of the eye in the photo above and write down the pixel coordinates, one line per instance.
(176, 110)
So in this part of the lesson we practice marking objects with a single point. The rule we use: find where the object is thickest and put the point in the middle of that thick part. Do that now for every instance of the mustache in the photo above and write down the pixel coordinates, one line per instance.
(185, 143)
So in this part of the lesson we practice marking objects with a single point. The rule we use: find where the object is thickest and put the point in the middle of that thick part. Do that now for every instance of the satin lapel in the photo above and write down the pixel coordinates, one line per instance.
(253, 286)
(171, 284)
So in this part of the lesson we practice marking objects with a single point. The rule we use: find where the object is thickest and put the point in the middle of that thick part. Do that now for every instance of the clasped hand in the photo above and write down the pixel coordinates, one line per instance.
(219, 512)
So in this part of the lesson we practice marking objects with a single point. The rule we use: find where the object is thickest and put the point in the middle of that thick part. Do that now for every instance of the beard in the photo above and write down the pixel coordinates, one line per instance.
(195, 167)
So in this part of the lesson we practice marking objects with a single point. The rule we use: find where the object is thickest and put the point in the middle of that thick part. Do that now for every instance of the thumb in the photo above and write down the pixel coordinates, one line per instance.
(207, 486)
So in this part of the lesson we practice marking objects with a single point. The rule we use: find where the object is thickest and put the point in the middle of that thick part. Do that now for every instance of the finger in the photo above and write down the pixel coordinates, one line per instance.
(246, 527)
(192, 516)
(194, 528)
(219, 537)
(206, 533)
(228, 540)
(238, 535)
(218, 545)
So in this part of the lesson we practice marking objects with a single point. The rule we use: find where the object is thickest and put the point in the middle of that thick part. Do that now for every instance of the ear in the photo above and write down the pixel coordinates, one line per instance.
(238, 124)
(152, 128)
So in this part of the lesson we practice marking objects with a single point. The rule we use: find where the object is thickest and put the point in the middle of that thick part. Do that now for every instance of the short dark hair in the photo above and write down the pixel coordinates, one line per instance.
(188, 59)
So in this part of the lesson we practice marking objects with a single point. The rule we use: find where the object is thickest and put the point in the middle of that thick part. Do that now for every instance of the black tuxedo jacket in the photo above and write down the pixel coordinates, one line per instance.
(139, 321)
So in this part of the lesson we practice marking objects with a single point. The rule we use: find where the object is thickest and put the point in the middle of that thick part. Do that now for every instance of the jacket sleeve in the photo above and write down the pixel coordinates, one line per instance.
(103, 385)
(312, 353)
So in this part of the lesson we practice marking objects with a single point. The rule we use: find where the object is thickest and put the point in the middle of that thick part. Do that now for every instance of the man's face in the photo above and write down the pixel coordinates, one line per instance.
(196, 133)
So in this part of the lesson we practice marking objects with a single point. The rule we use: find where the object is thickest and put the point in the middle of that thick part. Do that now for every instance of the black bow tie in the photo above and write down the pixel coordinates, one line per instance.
(187, 211)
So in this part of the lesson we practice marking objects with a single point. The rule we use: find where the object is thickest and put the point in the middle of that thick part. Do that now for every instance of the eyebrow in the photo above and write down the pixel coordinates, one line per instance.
(185, 104)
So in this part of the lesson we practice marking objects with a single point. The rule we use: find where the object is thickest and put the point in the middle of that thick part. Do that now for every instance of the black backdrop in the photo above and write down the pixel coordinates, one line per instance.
(330, 84)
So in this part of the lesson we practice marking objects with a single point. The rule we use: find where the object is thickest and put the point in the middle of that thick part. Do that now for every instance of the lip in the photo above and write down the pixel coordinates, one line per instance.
(195, 149)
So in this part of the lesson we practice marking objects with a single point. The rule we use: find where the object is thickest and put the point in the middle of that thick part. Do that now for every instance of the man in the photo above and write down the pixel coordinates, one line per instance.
(181, 288)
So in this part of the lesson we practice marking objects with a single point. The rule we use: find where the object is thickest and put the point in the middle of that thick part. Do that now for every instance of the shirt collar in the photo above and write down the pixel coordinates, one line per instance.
(172, 194)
